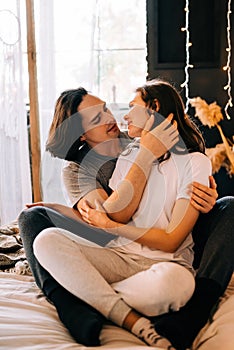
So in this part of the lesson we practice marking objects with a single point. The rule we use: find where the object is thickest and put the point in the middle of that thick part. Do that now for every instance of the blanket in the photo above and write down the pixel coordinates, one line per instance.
(12, 255)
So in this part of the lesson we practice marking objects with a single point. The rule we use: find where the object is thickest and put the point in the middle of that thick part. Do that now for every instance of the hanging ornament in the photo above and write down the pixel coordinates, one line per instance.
(9, 67)
(9, 28)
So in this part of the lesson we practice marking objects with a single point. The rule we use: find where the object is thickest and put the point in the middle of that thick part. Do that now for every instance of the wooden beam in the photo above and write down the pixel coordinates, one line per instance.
(33, 102)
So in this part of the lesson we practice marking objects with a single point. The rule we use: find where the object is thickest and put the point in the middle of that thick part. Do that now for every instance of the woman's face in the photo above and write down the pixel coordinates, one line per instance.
(98, 122)
(137, 116)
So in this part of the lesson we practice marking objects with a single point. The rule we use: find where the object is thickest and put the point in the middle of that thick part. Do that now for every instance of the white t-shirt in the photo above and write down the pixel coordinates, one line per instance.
(168, 181)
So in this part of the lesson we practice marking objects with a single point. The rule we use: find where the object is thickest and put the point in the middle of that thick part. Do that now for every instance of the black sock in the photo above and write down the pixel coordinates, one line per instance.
(181, 327)
(82, 321)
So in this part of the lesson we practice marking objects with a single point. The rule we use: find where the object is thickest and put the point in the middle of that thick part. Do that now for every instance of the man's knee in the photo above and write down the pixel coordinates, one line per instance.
(28, 216)
(226, 206)
(31, 222)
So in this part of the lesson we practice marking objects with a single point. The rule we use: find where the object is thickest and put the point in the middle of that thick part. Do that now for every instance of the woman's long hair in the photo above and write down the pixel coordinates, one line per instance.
(66, 128)
(170, 101)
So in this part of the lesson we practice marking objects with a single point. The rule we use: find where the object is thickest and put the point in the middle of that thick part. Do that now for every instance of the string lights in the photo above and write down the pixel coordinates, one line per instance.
(227, 68)
(188, 65)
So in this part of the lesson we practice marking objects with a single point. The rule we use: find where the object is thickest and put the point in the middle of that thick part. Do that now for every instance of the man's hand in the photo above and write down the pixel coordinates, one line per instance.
(36, 204)
(60, 208)
(160, 139)
(203, 197)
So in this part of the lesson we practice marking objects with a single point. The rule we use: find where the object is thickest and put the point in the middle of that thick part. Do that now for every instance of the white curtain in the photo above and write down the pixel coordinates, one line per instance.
(50, 167)
(55, 57)
(15, 179)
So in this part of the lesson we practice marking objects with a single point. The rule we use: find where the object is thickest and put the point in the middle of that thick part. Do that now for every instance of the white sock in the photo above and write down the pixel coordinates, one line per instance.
(145, 331)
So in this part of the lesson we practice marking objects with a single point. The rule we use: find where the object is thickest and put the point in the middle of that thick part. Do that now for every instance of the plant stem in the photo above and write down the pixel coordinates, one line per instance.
(229, 152)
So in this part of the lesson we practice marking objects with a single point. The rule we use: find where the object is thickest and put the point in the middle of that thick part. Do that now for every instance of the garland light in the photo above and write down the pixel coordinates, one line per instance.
(188, 65)
(227, 68)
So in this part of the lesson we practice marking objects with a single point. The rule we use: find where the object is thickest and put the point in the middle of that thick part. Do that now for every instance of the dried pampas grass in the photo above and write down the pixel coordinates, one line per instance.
(208, 114)
(211, 115)
(217, 156)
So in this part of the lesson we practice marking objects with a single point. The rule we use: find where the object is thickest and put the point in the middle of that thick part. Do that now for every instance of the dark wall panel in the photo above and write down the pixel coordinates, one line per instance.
(166, 54)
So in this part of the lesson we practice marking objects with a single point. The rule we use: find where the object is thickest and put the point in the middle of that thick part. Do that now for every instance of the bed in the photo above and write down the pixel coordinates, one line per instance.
(29, 322)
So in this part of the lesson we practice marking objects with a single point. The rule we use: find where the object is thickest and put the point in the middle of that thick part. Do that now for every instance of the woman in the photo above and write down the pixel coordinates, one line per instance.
(163, 246)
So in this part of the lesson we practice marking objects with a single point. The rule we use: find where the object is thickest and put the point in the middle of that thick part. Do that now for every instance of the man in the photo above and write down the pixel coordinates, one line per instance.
(84, 131)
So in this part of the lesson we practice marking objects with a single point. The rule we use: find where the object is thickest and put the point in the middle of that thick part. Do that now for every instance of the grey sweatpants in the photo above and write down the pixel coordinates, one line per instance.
(112, 282)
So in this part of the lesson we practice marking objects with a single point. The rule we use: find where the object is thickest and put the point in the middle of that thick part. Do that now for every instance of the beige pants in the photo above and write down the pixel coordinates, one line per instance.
(110, 281)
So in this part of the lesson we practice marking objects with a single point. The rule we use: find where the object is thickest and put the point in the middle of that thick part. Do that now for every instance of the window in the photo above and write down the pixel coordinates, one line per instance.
(101, 45)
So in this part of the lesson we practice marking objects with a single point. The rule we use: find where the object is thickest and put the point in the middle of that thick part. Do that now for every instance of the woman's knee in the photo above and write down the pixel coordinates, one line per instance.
(44, 242)
(165, 286)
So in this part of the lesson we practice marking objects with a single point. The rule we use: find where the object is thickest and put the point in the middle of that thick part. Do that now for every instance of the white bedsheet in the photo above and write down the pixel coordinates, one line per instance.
(29, 322)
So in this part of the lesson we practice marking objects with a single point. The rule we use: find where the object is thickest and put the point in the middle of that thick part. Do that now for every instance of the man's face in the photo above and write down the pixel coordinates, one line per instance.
(98, 122)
